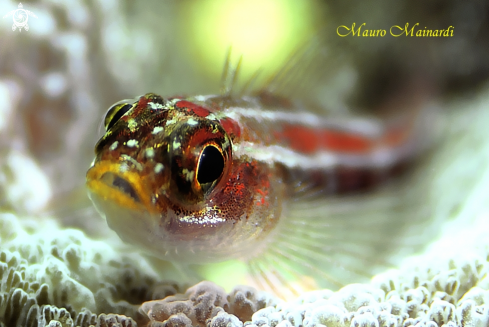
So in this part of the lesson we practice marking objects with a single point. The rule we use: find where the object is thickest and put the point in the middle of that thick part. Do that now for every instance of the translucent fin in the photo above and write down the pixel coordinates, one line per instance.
(229, 75)
(328, 242)
(303, 75)
(325, 240)
(297, 68)
(249, 85)
(315, 71)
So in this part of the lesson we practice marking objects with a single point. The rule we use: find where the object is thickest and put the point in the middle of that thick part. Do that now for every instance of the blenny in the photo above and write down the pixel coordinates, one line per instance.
(210, 178)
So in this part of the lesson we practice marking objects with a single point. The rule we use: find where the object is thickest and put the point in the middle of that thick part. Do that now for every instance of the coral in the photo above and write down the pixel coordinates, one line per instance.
(443, 294)
(207, 303)
(61, 275)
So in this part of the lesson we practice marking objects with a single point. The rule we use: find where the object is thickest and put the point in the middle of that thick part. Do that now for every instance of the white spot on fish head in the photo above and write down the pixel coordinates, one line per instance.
(158, 168)
(155, 106)
(113, 146)
(150, 153)
(171, 121)
(176, 144)
(132, 143)
(192, 122)
(157, 129)
(211, 116)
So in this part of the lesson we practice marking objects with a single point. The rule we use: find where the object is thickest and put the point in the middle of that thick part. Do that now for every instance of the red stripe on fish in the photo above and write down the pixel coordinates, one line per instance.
(307, 140)
(231, 127)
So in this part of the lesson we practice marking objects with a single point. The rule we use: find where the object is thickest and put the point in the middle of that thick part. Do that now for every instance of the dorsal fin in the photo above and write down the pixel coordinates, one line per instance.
(229, 75)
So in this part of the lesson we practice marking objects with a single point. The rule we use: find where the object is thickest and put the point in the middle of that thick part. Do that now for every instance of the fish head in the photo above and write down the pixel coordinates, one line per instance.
(164, 179)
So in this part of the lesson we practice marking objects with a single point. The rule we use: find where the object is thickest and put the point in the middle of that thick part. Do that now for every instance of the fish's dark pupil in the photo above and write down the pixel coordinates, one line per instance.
(125, 108)
(211, 165)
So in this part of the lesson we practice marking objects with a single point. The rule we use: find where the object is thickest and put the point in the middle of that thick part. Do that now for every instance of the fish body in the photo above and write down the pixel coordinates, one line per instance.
(208, 178)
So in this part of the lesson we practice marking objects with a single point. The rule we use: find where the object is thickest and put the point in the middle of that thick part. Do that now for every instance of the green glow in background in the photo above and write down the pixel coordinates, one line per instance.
(265, 33)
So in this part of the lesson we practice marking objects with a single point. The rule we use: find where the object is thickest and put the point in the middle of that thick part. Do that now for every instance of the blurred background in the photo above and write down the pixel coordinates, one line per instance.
(78, 57)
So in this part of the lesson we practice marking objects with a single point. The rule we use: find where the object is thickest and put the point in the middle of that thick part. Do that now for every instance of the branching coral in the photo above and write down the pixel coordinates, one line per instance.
(62, 268)
(60, 277)
(426, 291)
(207, 303)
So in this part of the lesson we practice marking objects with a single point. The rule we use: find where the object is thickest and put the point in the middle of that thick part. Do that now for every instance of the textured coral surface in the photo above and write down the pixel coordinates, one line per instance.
(206, 302)
(64, 267)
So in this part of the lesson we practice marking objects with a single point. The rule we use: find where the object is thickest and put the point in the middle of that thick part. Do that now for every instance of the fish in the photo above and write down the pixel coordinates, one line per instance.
(260, 178)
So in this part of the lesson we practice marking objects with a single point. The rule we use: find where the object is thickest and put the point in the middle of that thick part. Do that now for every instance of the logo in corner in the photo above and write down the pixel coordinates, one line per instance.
(20, 17)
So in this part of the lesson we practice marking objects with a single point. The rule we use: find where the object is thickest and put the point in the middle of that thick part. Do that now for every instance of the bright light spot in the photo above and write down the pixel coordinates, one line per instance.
(265, 32)
(253, 25)
(28, 186)
(43, 25)
(226, 274)
(54, 84)
(78, 14)
(75, 44)
(10, 94)
(5, 107)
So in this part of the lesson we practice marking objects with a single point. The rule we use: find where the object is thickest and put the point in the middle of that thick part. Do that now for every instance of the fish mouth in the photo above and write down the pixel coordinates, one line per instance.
(121, 184)
(126, 189)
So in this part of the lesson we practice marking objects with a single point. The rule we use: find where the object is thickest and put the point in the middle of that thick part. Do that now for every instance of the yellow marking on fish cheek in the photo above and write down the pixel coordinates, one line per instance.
(108, 193)
(107, 134)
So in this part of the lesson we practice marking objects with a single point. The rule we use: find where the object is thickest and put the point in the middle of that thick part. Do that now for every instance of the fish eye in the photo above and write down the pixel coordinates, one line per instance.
(210, 167)
(116, 112)
(200, 159)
